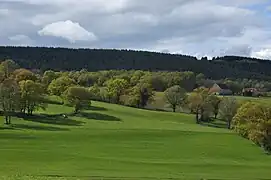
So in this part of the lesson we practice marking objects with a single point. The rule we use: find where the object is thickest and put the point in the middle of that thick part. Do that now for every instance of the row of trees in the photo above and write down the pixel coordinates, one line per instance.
(22, 91)
(160, 81)
(202, 103)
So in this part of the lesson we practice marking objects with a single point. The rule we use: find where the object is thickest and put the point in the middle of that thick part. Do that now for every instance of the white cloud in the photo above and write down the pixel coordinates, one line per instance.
(195, 27)
(20, 40)
(4, 12)
(262, 54)
(19, 37)
(68, 30)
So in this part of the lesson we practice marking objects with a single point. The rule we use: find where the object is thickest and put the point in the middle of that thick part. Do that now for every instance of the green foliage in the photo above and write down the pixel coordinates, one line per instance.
(141, 94)
(228, 108)
(95, 92)
(32, 96)
(253, 121)
(78, 97)
(188, 80)
(48, 77)
(115, 88)
(8, 67)
(9, 98)
(24, 74)
(215, 103)
(60, 85)
(175, 96)
(199, 104)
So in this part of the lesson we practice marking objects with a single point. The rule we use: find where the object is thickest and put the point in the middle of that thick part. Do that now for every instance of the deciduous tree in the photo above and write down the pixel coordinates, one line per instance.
(175, 96)
(78, 97)
(9, 98)
(115, 88)
(60, 85)
(141, 94)
(32, 96)
(215, 102)
(198, 104)
(228, 109)
(8, 67)
(24, 74)
(253, 121)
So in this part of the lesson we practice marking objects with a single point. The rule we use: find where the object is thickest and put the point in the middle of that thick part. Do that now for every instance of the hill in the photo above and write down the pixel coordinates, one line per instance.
(114, 142)
(104, 59)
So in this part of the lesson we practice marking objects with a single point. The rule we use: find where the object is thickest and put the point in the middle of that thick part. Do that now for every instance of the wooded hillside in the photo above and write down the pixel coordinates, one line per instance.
(101, 59)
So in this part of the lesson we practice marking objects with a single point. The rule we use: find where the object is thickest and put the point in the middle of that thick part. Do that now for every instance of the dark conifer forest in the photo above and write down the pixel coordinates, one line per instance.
(60, 59)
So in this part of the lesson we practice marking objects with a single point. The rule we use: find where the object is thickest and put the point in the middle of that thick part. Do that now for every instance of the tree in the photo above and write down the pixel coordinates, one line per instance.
(175, 96)
(228, 109)
(24, 74)
(215, 102)
(234, 86)
(198, 104)
(8, 67)
(253, 121)
(60, 85)
(115, 88)
(78, 97)
(95, 92)
(188, 80)
(9, 98)
(32, 96)
(141, 94)
(48, 77)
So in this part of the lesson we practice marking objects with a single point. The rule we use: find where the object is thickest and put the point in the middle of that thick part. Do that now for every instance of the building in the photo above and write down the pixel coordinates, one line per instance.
(251, 92)
(220, 89)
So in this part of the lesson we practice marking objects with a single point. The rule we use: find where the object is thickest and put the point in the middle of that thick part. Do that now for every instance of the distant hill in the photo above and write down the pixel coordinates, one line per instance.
(104, 59)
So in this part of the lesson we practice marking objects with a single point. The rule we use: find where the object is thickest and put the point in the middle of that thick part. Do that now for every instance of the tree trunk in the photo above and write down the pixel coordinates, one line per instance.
(229, 124)
(216, 115)
(6, 119)
(174, 108)
(197, 117)
(9, 119)
(117, 99)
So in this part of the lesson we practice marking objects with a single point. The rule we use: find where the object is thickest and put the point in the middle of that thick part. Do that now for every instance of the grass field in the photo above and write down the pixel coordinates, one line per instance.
(115, 142)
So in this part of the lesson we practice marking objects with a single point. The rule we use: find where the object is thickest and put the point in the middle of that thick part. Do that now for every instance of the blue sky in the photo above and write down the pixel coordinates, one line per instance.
(194, 27)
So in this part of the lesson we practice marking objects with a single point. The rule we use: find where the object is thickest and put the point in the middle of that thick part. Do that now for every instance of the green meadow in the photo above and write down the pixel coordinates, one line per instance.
(115, 142)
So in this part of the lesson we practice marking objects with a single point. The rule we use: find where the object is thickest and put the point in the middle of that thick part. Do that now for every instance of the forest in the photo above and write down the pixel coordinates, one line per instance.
(61, 59)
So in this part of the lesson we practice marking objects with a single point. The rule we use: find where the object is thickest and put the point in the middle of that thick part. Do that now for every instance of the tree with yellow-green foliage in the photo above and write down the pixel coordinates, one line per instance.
(78, 97)
(32, 96)
(116, 88)
(253, 121)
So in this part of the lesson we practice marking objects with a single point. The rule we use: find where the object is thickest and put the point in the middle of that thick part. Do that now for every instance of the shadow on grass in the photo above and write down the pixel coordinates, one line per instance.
(97, 116)
(56, 119)
(7, 128)
(94, 108)
(38, 128)
(215, 124)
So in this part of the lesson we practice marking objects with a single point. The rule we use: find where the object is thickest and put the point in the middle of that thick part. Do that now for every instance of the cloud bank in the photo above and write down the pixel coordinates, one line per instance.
(195, 27)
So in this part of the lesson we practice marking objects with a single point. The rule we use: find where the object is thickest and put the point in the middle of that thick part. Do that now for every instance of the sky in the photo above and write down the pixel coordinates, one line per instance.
(193, 27)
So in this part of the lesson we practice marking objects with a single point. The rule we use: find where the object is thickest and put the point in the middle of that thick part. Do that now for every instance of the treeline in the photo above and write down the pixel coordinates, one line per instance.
(61, 59)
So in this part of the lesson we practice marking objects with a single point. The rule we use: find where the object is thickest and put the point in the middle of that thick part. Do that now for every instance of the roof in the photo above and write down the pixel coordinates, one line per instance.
(250, 89)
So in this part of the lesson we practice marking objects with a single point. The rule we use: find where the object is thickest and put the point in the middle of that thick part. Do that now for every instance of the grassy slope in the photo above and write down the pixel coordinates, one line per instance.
(114, 142)
(159, 102)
